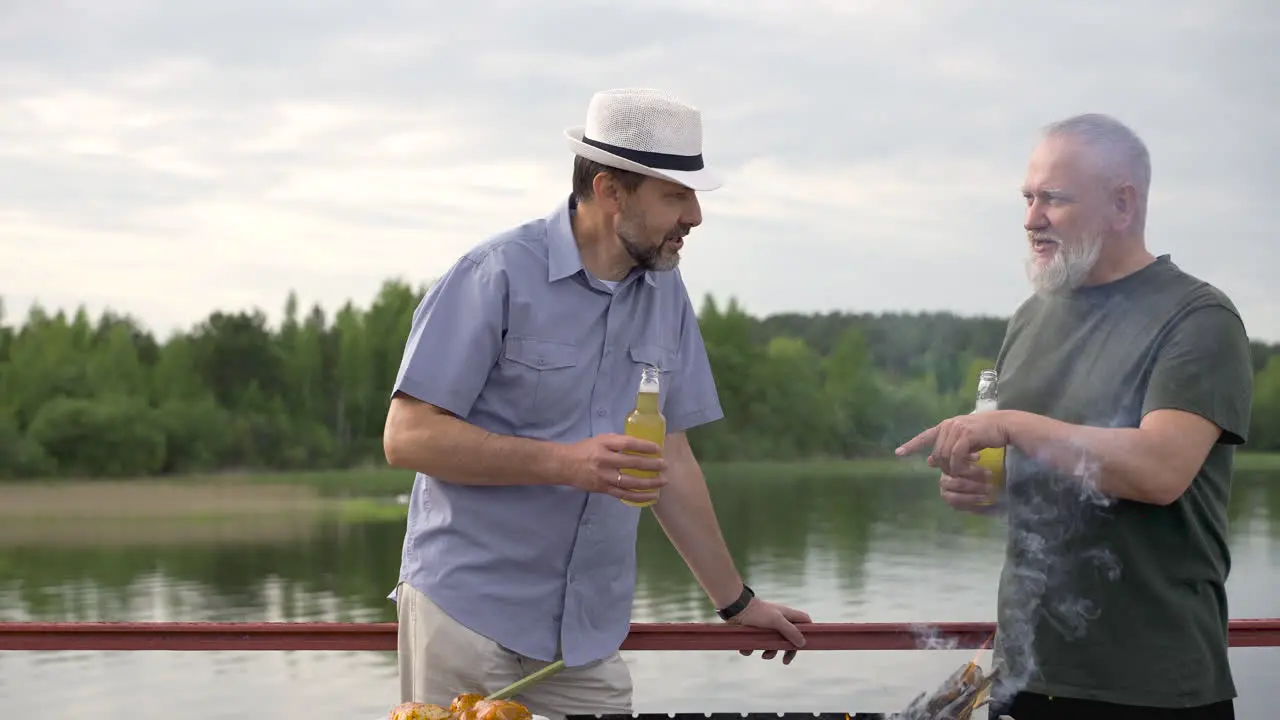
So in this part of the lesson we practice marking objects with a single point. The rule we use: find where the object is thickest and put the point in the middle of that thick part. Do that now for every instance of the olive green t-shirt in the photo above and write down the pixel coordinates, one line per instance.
(1108, 599)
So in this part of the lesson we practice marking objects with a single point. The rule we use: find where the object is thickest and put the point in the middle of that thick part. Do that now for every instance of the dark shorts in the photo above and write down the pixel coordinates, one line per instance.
(1029, 706)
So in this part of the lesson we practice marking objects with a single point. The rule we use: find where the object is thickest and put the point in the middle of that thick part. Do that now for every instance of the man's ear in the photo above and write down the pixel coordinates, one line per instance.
(607, 191)
(1125, 203)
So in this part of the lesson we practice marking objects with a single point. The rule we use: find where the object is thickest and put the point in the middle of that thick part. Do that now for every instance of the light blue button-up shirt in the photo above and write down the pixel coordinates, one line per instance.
(518, 338)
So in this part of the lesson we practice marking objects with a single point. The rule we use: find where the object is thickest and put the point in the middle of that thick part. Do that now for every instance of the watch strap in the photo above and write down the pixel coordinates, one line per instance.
(732, 609)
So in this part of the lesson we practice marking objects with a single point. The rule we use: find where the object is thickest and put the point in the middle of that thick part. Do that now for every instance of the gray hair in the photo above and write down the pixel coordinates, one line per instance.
(1118, 151)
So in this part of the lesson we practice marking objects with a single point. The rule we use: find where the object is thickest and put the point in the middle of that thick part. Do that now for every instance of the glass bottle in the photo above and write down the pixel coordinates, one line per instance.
(646, 422)
(990, 458)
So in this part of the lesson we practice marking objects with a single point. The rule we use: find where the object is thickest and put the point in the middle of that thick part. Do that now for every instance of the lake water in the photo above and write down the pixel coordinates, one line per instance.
(867, 550)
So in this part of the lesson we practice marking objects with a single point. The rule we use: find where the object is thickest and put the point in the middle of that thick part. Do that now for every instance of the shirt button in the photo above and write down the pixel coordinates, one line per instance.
(601, 412)
(541, 362)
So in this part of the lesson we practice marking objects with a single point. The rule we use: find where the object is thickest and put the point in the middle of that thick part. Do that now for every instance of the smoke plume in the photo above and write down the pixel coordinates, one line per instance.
(929, 638)
(1048, 514)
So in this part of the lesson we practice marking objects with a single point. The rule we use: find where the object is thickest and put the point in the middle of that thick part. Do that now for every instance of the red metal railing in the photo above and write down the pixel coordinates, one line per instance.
(643, 636)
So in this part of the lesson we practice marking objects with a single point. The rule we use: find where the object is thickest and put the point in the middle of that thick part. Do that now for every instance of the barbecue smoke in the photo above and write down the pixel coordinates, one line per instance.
(928, 637)
(1047, 515)
(1052, 515)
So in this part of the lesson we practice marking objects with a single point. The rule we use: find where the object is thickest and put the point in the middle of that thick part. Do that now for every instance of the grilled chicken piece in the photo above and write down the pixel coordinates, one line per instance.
(501, 710)
(419, 711)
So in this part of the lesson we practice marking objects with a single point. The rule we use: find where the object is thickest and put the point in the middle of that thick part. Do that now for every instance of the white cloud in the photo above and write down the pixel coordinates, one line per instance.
(874, 202)
(172, 159)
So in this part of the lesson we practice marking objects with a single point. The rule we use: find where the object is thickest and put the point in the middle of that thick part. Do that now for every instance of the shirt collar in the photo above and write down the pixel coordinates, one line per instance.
(563, 257)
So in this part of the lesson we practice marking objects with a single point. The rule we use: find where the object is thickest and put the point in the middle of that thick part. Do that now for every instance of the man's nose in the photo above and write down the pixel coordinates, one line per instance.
(692, 216)
(1036, 218)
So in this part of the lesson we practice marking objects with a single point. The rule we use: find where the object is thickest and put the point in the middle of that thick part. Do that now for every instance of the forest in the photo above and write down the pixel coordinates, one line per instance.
(104, 397)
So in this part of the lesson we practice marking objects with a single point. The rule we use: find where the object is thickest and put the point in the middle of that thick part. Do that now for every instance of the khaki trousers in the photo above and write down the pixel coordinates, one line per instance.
(441, 659)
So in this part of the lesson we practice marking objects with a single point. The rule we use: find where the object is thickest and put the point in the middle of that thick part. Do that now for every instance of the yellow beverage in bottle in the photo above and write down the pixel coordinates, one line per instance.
(646, 422)
(991, 459)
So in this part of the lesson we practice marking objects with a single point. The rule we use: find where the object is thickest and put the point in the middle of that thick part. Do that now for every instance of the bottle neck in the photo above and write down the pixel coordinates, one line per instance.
(987, 395)
(647, 402)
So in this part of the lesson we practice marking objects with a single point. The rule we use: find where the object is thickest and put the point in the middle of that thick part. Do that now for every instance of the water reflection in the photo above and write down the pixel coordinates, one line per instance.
(866, 549)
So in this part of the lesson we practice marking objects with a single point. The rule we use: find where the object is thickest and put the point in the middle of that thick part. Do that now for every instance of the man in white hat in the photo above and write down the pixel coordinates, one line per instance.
(521, 366)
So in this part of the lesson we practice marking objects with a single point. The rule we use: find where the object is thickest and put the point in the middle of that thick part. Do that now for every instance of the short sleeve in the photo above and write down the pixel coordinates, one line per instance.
(456, 336)
(692, 399)
(1204, 367)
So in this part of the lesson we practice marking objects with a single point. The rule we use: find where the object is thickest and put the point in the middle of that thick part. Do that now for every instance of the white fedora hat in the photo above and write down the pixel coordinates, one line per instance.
(645, 131)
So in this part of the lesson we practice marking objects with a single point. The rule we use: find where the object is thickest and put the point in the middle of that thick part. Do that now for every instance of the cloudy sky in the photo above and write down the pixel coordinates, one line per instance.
(171, 158)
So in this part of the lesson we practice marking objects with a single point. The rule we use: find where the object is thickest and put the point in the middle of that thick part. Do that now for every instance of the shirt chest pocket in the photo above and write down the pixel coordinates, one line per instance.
(548, 388)
(653, 356)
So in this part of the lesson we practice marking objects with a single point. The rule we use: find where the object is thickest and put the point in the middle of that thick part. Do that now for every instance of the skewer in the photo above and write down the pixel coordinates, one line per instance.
(525, 683)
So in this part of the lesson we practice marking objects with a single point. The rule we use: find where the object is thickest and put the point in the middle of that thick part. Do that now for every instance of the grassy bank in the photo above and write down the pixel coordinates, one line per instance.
(148, 497)
(1258, 461)
(351, 495)
(366, 482)
(366, 493)
(382, 482)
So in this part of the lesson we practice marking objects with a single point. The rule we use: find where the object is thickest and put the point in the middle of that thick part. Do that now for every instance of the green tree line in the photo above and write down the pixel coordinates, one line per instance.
(93, 397)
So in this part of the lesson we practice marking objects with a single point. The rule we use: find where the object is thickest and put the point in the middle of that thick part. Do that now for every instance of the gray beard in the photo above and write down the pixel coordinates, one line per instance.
(645, 258)
(649, 258)
(1068, 268)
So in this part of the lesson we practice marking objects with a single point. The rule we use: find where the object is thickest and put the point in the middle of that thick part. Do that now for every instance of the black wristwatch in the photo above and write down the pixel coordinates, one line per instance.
(737, 606)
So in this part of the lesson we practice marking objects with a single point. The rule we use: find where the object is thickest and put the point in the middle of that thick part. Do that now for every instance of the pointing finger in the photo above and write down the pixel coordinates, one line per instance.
(919, 442)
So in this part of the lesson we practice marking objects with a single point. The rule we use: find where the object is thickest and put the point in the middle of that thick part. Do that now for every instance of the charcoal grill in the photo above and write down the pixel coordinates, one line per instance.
(735, 716)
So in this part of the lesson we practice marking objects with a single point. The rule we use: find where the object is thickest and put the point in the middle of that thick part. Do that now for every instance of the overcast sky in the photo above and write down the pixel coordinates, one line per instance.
(167, 159)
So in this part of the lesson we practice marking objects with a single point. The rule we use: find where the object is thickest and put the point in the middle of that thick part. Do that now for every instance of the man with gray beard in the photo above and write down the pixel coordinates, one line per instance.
(1125, 385)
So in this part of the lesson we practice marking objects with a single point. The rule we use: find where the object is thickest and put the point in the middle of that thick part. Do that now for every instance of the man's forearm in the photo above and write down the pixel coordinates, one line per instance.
(1125, 463)
(685, 512)
(456, 451)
